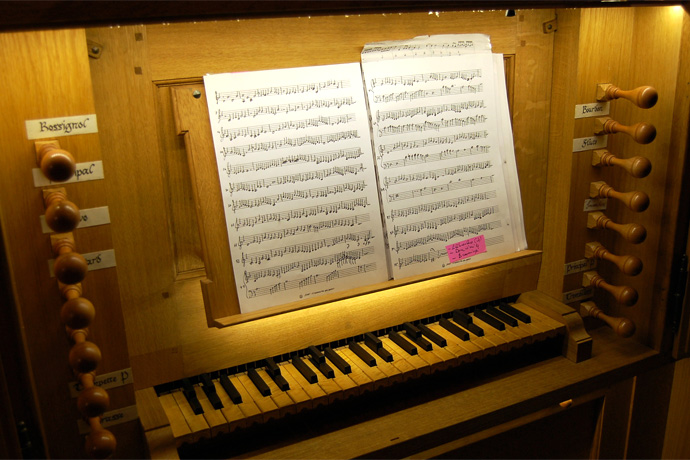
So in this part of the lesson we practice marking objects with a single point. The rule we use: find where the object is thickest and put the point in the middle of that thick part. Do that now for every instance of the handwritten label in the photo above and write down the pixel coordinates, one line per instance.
(95, 260)
(589, 143)
(466, 248)
(581, 265)
(592, 110)
(577, 295)
(113, 417)
(105, 381)
(61, 126)
(91, 217)
(90, 170)
(595, 204)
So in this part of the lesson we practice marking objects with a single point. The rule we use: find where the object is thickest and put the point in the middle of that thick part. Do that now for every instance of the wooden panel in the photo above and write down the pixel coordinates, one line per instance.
(676, 442)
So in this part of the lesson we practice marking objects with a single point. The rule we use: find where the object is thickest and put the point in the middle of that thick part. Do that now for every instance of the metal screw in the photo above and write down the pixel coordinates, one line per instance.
(196, 94)
(95, 50)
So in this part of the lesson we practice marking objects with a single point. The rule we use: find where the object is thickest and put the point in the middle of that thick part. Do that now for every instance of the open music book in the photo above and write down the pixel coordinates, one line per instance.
(341, 176)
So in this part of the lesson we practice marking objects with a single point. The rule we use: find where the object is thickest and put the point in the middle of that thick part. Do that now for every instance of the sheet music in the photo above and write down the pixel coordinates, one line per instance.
(293, 148)
(438, 147)
(426, 46)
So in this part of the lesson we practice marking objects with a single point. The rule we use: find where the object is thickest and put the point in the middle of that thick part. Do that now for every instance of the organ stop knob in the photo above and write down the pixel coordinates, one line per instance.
(644, 97)
(635, 166)
(57, 164)
(642, 133)
(61, 214)
(629, 265)
(624, 295)
(635, 201)
(623, 327)
(632, 233)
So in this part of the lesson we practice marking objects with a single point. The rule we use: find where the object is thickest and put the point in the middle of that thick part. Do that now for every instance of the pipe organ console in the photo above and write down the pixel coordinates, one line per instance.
(124, 338)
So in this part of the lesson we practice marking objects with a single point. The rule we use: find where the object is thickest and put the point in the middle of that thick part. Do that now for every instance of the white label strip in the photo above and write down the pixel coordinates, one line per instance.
(91, 217)
(577, 295)
(589, 143)
(592, 110)
(105, 381)
(581, 265)
(113, 417)
(595, 204)
(96, 260)
(90, 170)
(61, 126)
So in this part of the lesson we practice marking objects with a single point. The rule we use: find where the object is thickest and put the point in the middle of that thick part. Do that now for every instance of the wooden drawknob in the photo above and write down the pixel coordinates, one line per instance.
(629, 265)
(623, 327)
(642, 133)
(77, 313)
(84, 357)
(100, 443)
(70, 268)
(625, 295)
(632, 233)
(93, 401)
(61, 214)
(57, 164)
(635, 166)
(635, 201)
(644, 97)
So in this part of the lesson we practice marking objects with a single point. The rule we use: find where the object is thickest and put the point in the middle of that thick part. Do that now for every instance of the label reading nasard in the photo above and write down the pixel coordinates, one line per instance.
(61, 126)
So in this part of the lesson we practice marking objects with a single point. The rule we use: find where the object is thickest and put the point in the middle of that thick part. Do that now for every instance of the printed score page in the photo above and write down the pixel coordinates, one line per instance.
(298, 179)
(437, 142)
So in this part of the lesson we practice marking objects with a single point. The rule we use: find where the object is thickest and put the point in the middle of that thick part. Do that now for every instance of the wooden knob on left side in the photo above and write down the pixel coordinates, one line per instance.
(644, 97)
(642, 133)
(623, 327)
(93, 401)
(70, 268)
(77, 313)
(57, 164)
(61, 214)
(84, 357)
(625, 295)
(635, 201)
(100, 443)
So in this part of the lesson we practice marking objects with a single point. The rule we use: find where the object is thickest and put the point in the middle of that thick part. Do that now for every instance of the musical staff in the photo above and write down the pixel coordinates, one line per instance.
(443, 188)
(258, 238)
(298, 158)
(317, 192)
(430, 110)
(437, 173)
(448, 154)
(421, 143)
(435, 223)
(272, 128)
(249, 95)
(443, 204)
(403, 245)
(438, 254)
(427, 93)
(279, 109)
(409, 80)
(288, 142)
(431, 125)
(321, 174)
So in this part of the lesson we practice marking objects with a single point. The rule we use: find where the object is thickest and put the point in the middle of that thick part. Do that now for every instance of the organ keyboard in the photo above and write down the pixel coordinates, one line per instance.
(258, 392)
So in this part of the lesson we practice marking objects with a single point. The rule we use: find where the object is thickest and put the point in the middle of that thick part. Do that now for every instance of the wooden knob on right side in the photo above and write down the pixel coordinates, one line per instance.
(632, 233)
(625, 295)
(644, 97)
(100, 443)
(623, 327)
(636, 201)
(642, 132)
(61, 214)
(629, 265)
(77, 313)
(635, 166)
(84, 357)
(57, 164)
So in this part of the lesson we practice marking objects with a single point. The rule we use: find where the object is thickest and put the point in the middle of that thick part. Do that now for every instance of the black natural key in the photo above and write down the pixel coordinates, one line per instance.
(337, 361)
(462, 318)
(402, 343)
(258, 382)
(372, 341)
(210, 390)
(324, 368)
(362, 353)
(316, 354)
(230, 389)
(498, 314)
(190, 395)
(421, 342)
(454, 329)
(490, 320)
(433, 336)
(512, 311)
(272, 368)
(281, 382)
(305, 370)
(412, 330)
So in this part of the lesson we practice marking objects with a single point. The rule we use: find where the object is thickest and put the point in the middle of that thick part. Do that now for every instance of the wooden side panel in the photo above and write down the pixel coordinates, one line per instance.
(48, 73)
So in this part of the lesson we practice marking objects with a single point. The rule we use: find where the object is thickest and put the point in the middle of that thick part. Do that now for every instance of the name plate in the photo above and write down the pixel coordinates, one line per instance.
(595, 204)
(581, 265)
(90, 170)
(105, 381)
(61, 126)
(91, 217)
(110, 418)
(95, 260)
(577, 295)
(588, 143)
(592, 110)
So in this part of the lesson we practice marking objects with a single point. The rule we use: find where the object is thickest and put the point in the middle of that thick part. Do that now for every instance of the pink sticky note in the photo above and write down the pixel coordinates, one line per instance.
(466, 248)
